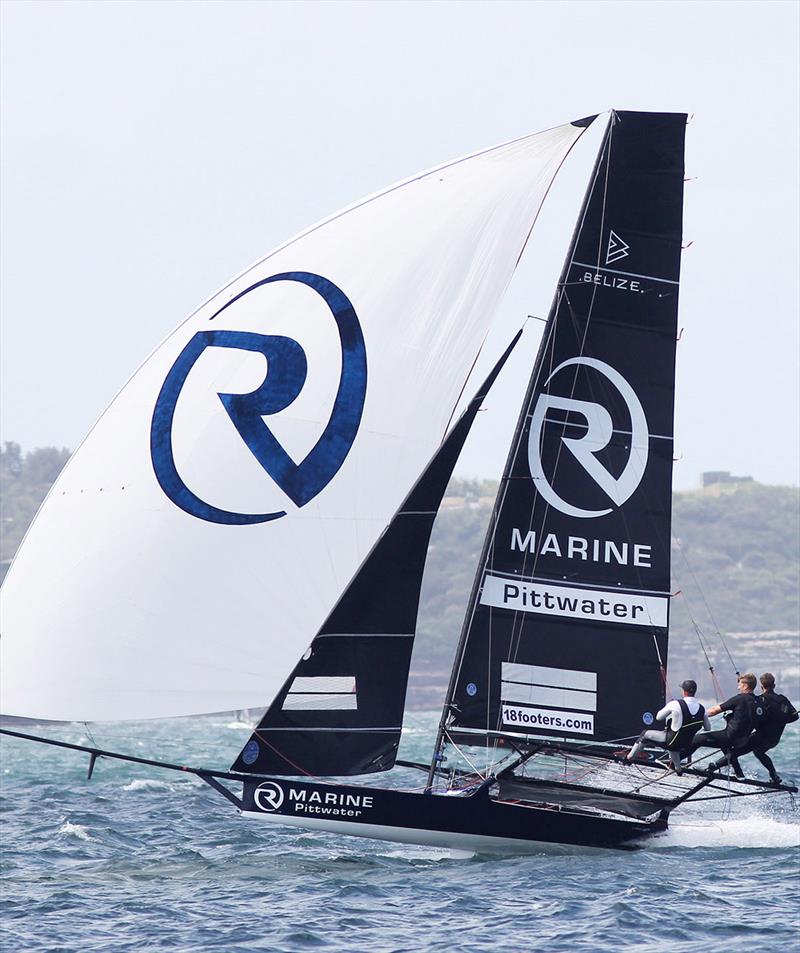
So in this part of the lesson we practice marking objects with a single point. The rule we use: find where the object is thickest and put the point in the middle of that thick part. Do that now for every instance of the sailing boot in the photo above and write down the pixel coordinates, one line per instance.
(727, 760)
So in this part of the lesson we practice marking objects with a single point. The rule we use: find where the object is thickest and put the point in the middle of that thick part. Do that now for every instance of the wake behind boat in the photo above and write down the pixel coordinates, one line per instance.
(211, 580)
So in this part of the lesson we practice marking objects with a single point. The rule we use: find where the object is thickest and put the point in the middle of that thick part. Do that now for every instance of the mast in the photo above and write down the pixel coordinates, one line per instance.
(487, 541)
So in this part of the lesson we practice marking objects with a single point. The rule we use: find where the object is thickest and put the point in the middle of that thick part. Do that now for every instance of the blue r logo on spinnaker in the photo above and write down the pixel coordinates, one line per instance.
(287, 369)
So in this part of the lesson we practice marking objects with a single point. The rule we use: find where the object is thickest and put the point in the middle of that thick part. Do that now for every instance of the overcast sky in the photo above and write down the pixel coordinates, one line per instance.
(150, 151)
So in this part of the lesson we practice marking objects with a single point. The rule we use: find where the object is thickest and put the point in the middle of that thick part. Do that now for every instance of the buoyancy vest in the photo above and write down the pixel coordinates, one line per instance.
(778, 712)
(758, 713)
(779, 709)
(755, 720)
(744, 715)
(681, 739)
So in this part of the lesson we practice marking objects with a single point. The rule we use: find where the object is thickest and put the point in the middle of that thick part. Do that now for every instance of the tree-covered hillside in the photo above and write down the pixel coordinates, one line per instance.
(739, 542)
(735, 565)
(24, 482)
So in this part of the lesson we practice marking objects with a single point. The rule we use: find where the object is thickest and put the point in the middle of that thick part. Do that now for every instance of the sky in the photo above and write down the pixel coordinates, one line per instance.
(151, 151)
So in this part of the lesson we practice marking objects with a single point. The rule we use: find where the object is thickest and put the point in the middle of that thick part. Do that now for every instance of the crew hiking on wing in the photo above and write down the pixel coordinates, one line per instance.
(745, 715)
(778, 712)
(683, 717)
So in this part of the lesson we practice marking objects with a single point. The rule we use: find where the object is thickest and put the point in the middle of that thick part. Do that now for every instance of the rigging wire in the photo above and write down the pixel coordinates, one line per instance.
(708, 608)
(704, 647)
(477, 771)
(661, 666)
(280, 754)
(89, 733)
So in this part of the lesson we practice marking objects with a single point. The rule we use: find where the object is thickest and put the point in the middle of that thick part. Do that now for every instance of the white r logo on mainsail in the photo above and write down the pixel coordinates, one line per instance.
(599, 430)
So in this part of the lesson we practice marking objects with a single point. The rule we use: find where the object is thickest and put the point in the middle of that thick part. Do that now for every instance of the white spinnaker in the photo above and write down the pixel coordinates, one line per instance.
(122, 605)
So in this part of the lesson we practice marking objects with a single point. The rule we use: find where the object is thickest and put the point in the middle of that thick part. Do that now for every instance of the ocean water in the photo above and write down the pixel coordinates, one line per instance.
(139, 859)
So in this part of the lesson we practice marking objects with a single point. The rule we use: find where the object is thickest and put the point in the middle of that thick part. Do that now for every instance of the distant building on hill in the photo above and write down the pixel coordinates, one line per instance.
(712, 477)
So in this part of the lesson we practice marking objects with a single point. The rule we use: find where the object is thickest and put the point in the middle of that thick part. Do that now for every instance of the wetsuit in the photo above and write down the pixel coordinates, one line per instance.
(778, 712)
(735, 734)
(684, 718)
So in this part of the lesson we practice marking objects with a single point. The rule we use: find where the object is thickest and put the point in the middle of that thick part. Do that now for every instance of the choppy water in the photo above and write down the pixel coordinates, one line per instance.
(139, 859)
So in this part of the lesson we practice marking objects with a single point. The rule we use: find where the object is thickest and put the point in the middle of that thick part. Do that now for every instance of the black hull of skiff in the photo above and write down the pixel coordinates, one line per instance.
(474, 822)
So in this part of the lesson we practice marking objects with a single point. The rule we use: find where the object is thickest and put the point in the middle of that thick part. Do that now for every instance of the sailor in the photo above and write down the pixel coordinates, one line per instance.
(778, 713)
(684, 717)
(745, 715)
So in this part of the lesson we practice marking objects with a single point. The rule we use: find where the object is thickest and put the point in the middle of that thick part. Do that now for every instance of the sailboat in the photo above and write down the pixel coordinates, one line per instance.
(186, 562)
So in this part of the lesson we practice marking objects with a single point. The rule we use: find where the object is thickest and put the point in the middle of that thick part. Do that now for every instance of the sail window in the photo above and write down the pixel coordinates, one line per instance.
(554, 687)
(329, 693)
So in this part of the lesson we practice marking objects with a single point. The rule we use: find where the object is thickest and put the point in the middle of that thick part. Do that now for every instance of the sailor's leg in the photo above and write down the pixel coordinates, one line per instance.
(737, 751)
(660, 737)
(710, 739)
(733, 761)
(675, 758)
(764, 758)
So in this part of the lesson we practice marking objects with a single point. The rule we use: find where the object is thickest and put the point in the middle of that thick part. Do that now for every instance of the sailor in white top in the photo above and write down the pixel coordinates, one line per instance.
(683, 718)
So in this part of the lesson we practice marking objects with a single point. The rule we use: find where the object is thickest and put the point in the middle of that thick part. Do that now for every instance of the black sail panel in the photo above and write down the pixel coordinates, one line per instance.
(571, 603)
(341, 710)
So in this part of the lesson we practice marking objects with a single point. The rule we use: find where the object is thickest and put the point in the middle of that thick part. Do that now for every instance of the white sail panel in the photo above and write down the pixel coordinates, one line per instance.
(201, 534)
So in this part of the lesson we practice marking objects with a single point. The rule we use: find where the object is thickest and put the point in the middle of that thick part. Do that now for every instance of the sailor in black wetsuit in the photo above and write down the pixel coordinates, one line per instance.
(745, 715)
(683, 718)
(778, 713)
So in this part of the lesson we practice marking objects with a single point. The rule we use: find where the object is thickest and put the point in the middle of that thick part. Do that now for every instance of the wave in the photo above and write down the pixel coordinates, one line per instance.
(755, 831)
(68, 829)
(147, 784)
(414, 852)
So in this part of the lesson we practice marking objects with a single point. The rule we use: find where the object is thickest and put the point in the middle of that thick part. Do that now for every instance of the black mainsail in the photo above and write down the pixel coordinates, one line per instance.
(566, 630)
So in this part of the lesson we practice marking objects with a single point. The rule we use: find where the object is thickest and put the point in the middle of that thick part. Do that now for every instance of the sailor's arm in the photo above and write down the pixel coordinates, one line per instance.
(667, 713)
(723, 706)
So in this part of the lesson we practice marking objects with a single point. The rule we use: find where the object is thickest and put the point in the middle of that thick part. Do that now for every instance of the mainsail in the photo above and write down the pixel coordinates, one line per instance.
(203, 532)
(566, 631)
